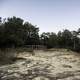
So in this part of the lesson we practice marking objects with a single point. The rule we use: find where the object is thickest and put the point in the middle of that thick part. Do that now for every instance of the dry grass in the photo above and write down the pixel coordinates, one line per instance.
(43, 65)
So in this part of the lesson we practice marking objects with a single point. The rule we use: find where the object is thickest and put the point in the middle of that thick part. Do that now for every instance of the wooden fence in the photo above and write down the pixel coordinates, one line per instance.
(35, 46)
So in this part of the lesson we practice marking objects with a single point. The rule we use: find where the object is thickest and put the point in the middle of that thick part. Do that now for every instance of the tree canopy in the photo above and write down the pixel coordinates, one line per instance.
(14, 32)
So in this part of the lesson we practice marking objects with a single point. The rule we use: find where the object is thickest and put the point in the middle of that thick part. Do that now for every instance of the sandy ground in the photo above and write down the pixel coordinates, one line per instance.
(43, 65)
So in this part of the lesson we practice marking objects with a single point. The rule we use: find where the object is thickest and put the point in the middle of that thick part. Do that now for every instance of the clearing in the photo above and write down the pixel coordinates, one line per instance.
(43, 65)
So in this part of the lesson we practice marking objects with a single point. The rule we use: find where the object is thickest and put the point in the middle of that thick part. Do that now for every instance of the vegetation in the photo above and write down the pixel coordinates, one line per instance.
(14, 32)
(66, 39)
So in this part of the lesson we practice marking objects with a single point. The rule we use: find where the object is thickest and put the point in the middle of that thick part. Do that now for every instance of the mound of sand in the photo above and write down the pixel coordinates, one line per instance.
(44, 65)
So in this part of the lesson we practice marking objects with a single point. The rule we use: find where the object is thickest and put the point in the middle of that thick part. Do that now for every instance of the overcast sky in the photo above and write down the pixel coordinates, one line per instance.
(48, 15)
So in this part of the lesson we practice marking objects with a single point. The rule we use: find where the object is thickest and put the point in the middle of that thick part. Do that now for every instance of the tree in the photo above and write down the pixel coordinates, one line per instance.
(76, 40)
(67, 39)
(52, 41)
(31, 33)
(59, 40)
(0, 19)
(44, 38)
(13, 32)
(49, 39)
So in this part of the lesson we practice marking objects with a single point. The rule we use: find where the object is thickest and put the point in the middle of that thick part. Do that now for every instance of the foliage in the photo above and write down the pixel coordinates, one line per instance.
(66, 39)
(14, 32)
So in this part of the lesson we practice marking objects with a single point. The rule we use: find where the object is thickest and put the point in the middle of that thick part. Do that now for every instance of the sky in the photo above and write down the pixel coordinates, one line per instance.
(48, 15)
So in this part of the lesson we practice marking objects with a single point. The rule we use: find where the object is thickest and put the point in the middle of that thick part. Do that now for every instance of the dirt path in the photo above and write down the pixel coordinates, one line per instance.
(44, 65)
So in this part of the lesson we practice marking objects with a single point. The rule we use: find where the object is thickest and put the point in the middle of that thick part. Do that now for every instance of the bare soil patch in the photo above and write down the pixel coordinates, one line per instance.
(43, 65)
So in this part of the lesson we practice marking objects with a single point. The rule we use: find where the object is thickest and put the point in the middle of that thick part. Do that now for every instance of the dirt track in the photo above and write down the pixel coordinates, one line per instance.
(44, 65)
